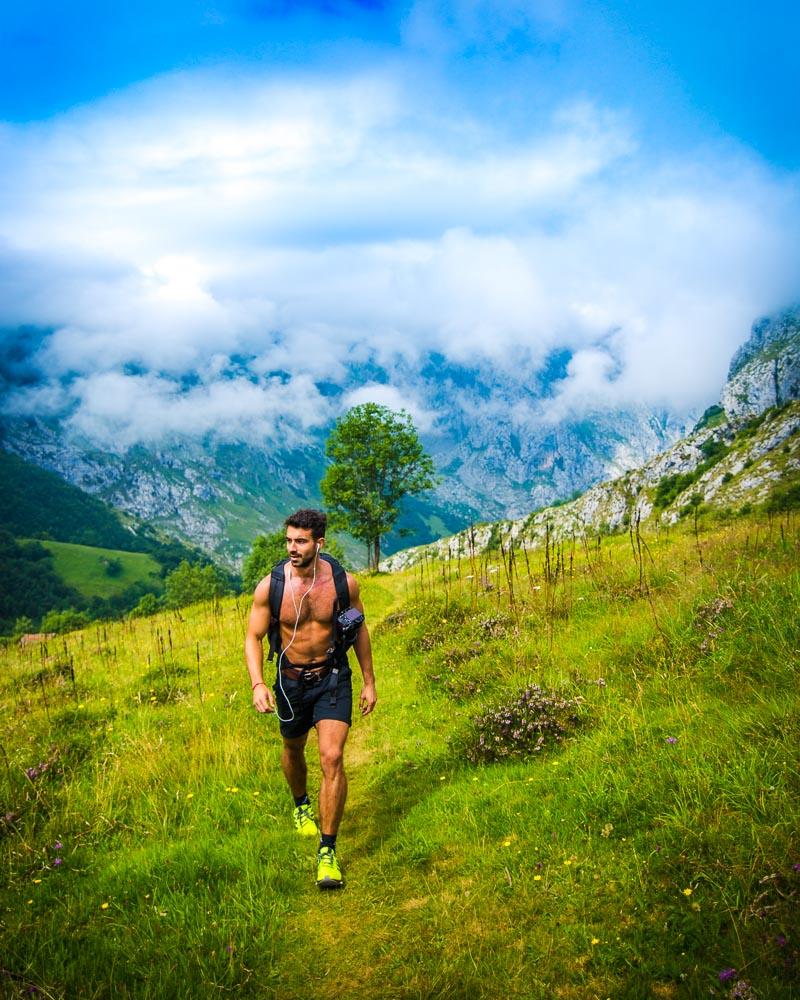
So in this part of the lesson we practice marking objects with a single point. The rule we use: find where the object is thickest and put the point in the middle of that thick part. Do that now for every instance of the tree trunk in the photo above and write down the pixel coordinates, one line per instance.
(374, 550)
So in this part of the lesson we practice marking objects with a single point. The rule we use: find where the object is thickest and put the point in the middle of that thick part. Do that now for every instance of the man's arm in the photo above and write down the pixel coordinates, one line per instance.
(263, 699)
(363, 651)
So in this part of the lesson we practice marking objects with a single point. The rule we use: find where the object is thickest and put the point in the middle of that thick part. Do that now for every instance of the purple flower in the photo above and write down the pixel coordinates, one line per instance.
(57, 846)
(672, 739)
(781, 941)
(726, 975)
(56, 862)
(796, 866)
(229, 949)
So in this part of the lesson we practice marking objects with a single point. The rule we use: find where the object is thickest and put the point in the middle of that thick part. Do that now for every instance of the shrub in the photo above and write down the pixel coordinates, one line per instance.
(533, 720)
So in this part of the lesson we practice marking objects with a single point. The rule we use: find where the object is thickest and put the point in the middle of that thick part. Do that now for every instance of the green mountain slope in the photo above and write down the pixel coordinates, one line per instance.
(97, 572)
(34, 502)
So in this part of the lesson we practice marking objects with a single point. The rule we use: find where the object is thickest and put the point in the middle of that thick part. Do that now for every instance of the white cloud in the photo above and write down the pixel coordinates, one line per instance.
(395, 399)
(117, 410)
(165, 231)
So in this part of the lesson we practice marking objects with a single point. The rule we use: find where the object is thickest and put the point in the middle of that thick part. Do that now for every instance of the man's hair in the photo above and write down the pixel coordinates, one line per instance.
(314, 520)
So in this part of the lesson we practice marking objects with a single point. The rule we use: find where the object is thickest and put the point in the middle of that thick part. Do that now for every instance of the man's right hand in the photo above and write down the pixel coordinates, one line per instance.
(263, 699)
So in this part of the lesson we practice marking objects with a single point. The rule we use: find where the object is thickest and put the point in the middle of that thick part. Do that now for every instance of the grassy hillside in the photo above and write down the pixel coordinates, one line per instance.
(647, 848)
(102, 572)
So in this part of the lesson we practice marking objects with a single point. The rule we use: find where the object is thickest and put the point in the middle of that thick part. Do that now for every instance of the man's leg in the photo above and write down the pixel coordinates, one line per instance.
(293, 763)
(332, 735)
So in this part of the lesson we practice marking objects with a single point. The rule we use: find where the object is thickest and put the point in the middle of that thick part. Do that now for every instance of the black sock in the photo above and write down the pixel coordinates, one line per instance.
(302, 800)
(327, 840)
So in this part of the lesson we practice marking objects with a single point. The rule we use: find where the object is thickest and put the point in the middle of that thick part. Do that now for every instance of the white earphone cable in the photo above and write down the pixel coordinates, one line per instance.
(298, 609)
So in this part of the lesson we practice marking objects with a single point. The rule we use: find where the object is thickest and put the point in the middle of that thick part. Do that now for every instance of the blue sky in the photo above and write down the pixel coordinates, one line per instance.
(187, 183)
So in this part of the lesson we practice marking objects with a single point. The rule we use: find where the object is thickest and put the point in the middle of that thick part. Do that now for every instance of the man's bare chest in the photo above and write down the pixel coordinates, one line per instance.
(305, 603)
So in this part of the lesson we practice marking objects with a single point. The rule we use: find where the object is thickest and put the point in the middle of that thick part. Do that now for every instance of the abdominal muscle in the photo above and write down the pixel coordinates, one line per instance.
(315, 630)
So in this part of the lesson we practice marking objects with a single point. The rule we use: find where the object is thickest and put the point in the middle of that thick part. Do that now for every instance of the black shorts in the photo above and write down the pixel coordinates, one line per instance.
(306, 706)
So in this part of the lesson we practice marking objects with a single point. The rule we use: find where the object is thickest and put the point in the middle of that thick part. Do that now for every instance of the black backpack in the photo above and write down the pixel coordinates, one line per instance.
(276, 587)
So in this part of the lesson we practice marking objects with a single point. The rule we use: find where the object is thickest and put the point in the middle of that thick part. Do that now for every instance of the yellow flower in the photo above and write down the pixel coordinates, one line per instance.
(104, 906)
(537, 878)
(595, 940)
(568, 862)
(36, 881)
(190, 795)
(687, 892)
(255, 794)
(506, 843)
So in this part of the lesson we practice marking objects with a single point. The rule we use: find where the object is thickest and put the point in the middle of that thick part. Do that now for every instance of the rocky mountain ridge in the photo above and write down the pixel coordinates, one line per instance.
(737, 455)
(496, 458)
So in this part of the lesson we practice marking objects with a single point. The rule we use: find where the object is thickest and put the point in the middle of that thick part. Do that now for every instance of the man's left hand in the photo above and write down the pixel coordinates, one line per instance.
(368, 698)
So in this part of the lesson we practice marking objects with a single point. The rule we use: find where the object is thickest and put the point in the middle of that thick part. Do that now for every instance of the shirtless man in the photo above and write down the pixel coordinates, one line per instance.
(308, 690)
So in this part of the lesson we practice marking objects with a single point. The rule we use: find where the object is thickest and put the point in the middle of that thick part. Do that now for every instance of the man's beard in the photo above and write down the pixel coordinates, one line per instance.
(303, 563)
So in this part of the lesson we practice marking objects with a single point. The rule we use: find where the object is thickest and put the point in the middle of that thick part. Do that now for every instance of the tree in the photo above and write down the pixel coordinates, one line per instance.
(376, 460)
(266, 551)
(189, 584)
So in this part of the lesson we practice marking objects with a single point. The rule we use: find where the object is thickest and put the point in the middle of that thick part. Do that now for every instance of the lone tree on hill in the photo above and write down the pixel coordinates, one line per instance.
(376, 460)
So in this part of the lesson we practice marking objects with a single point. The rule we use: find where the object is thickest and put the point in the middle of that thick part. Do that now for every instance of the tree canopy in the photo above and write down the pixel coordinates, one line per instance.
(376, 460)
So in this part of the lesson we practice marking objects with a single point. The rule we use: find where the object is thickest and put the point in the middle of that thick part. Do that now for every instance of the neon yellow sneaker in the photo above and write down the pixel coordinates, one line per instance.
(304, 821)
(329, 874)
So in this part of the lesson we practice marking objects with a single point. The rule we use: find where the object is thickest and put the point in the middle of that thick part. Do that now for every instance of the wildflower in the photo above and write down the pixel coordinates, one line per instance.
(672, 739)
(104, 906)
(595, 941)
(57, 846)
(568, 862)
(537, 878)
(229, 949)
(726, 974)
(190, 795)
(37, 881)
(796, 866)
(506, 843)
(56, 862)
(687, 892)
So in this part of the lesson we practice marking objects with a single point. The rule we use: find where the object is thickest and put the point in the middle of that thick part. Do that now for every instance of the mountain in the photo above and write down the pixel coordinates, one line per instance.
(37, 503)
(498, 457)
(744, 451)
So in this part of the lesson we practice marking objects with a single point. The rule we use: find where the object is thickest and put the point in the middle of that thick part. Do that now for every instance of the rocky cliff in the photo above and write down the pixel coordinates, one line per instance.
(735, 457)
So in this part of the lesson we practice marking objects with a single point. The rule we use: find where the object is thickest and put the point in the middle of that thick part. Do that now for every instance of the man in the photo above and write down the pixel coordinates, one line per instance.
(313, 683)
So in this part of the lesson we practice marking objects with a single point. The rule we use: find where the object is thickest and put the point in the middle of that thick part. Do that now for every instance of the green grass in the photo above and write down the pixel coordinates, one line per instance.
(650, 850)
(84, 567)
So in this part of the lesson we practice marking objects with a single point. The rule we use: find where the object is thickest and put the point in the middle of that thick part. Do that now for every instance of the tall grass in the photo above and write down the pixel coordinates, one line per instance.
(148, 850)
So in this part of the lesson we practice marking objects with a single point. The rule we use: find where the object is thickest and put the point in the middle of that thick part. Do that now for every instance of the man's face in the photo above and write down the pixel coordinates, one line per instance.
(301, 546)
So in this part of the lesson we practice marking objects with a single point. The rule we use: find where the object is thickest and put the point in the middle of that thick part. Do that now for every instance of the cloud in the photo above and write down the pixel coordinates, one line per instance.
(202, 248)
(395, 399)
(117, 410)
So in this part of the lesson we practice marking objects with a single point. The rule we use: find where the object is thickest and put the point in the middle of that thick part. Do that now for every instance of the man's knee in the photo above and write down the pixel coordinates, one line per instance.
(295, 747)
(331, 758)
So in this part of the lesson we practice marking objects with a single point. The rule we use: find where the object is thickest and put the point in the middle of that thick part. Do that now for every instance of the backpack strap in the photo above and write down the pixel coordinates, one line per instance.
(340, 582)
(277, 582)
